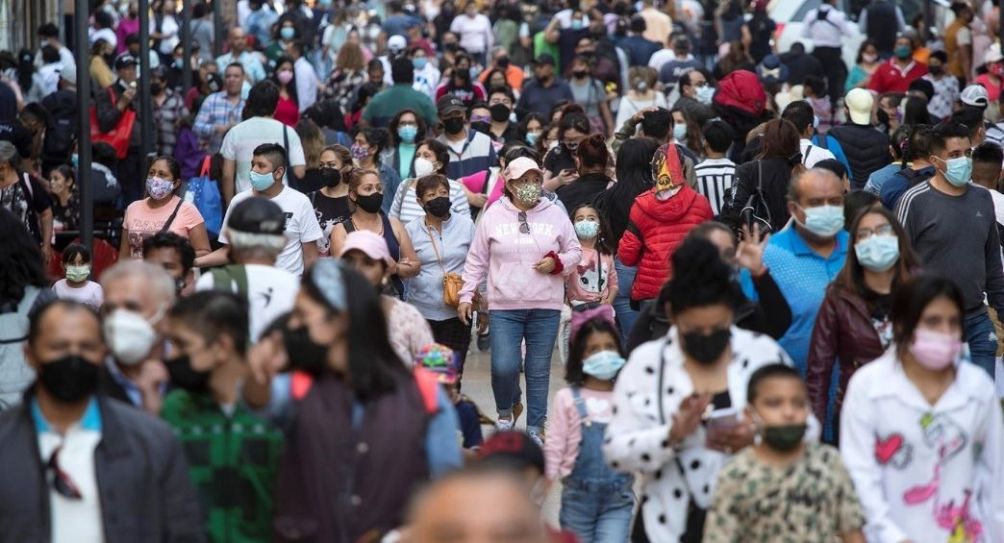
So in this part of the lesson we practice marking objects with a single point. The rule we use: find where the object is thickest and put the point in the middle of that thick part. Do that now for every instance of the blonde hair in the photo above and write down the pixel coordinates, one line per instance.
(312, 141)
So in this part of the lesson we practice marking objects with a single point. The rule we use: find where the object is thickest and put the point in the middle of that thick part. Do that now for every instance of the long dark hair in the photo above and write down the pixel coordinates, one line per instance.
(603, 238)
(20, 259)
(700, 278)
(373, 365)
(912, 298)
(634, 173)
(291, 86)
(392, 127)
(852, 276)
(577, 348)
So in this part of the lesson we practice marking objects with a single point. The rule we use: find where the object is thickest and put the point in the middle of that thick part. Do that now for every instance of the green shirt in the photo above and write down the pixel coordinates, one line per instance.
(232, 461)
(810, 501)
(389, 102)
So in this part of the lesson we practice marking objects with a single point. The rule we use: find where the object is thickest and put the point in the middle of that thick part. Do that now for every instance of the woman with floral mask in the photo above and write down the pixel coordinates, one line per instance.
(368, 152)
(288, 110)
(852, 327)
(678, 402)
(524, 246)
(921, 430)
(162, 211)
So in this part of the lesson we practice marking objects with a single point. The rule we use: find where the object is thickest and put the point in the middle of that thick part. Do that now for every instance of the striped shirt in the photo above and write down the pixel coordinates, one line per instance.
(715, 176)
(406, 208)
(469, 156)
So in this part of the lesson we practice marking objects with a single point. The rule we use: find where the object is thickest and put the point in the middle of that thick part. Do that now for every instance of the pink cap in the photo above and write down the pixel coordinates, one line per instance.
(517, 168)
(371, 244)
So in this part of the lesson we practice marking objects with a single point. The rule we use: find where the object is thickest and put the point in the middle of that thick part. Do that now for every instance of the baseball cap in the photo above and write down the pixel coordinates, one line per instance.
(771, 70)
(369, 243)
(544, 58)
(517, 168)
(513, 449)
(859, 104)
(440, 360)
(975, 95)
(993, 54)
(124, 60)
(258, 215)
(68, 73)
(450, 103)
(397, 43)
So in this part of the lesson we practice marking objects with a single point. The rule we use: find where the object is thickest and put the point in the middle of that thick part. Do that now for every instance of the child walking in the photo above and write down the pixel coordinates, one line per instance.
(594, 280)
(76, 286)
(442, 361)
(782, 488)
(596, 502)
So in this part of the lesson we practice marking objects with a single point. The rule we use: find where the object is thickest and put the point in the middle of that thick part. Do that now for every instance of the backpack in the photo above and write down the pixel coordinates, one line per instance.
(204, 194)
(224, 278)
(755, 209)
(60, 131)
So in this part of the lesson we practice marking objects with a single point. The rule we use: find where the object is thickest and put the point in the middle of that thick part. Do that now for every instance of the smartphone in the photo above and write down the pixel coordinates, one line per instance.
(722, 418)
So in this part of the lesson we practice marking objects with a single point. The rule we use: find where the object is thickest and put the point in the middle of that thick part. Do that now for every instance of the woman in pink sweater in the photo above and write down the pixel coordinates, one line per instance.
(596, 501)
(524, 245)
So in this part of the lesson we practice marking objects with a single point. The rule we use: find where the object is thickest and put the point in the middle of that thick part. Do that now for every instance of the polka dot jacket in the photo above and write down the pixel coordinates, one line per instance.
(637, 438)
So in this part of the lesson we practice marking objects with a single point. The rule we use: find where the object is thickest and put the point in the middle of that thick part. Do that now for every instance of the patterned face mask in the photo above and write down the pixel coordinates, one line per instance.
(527, 193)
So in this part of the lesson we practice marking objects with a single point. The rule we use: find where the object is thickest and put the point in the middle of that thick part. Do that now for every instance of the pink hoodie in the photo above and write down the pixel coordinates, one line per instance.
(507, 256)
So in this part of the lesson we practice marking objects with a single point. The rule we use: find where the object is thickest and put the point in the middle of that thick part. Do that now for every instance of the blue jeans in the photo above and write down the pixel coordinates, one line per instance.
(539, 327)
(622, 303)
(982, 341)
(597, 514)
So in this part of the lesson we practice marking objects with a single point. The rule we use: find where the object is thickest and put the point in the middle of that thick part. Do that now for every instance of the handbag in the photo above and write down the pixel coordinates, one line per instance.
(118, 137)
(755, 211)
(452, 282)
(204, 193)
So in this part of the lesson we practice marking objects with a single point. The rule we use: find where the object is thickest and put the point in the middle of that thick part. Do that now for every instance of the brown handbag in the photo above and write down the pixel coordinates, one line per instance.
(452, 282)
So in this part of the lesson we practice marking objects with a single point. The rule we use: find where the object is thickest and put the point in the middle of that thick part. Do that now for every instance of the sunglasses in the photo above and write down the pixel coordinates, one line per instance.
(61, 481)
(524, 228)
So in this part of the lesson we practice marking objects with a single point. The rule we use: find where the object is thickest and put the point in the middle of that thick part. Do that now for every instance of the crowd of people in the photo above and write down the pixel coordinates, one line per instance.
(773, 279)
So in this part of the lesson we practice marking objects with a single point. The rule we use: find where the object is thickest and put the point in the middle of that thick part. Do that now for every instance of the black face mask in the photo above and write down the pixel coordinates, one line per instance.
(156, 88)
(371, 203)
(454, 125)
(785, 437)
(579, 74)
(706, 348)
(184, 376)
(304, 355)
(439, 207)
(330, 177)
(69, 379)
(500, 112)
(481, 126)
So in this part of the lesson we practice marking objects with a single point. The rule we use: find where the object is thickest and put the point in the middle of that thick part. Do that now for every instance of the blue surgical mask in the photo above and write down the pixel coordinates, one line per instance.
(287, 33)
(824, 221)
(532, 137)
(475, 71)
(603, 365)
(705, 94)
(679, 132)
(878, 253)
(261, 181)
(407, 133)
(419, 63)
(586, 229)
(958, 171)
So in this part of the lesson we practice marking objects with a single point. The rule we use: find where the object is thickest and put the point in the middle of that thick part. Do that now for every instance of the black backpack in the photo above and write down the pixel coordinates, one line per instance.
(60, 130)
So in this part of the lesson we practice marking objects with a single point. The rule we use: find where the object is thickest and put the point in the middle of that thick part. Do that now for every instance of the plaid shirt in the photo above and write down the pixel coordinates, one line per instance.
(166, 118)
(216, 110)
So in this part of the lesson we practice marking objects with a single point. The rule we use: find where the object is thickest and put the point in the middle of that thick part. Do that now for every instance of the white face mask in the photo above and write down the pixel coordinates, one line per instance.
(423, 167)
(129, 336)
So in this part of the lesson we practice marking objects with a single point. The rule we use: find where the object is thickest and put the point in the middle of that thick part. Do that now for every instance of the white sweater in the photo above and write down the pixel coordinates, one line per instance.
(637, 437)
(925, 473)
(476, 34)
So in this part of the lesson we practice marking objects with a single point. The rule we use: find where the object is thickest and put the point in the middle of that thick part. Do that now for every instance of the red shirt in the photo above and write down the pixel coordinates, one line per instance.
(888, 77)
(287, 112)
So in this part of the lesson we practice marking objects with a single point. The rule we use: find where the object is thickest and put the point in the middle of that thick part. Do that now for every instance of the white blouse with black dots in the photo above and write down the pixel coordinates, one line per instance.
(637, 438)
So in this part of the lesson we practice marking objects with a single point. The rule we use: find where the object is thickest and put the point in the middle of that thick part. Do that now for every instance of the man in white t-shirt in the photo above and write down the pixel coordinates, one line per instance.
(257, 237)
(268, 165)
(801, 114)
(259, 128)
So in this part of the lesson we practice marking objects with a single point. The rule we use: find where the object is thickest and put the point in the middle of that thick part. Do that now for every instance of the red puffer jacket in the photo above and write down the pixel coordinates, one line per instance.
(655, 229)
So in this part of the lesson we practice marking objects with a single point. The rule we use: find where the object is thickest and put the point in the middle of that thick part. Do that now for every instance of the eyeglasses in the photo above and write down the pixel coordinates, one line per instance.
(884, 230)
(61, 481)
(524, 227)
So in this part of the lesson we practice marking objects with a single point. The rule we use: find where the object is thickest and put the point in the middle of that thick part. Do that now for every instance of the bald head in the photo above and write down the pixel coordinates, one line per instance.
(237, 38)
(814, 184)
(464, 508)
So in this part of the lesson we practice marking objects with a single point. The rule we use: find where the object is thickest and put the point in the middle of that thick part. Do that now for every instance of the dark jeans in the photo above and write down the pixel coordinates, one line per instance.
(982, 341)
(834, 69)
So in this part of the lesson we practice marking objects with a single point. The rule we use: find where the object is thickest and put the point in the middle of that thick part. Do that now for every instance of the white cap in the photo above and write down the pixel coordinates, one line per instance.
(397, 43)
(975, 95)
(993, 54)
(859, 104)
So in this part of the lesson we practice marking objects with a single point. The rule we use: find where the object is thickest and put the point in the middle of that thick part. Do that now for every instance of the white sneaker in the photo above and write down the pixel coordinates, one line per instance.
(504, 425)
(536, 436)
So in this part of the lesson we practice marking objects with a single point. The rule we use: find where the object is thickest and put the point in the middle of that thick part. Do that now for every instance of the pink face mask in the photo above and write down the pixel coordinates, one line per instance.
(285, 76)
(934, 350)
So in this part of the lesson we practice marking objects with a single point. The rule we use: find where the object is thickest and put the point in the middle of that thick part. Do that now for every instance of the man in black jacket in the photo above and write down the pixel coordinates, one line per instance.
(111, 104)
(82, 467)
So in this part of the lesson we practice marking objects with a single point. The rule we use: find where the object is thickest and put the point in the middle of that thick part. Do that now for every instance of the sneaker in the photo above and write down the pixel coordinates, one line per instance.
(537, 436)
(504, 425)
(483, 342)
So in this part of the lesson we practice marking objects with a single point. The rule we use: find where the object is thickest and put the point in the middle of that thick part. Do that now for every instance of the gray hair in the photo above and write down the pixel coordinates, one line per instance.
(159, 282)
(269, 245)
(8, 154)
(795, 186)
